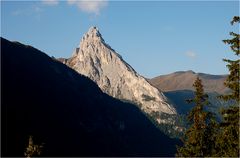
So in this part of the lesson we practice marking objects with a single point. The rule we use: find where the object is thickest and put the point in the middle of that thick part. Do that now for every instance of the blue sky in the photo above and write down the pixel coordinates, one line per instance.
(155, 38)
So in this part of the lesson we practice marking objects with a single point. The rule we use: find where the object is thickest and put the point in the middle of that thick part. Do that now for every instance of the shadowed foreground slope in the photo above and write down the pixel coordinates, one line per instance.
(68, 112)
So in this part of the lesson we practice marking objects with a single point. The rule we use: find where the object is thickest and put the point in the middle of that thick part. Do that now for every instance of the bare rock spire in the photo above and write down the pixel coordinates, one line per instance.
(98, 61)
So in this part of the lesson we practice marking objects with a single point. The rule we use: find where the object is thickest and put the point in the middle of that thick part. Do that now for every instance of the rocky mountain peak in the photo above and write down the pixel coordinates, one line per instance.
(93, 35)
(98, 61)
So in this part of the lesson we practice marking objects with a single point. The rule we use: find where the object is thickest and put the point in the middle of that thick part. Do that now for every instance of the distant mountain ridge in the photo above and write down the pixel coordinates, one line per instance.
(183, 80)
(178, 87)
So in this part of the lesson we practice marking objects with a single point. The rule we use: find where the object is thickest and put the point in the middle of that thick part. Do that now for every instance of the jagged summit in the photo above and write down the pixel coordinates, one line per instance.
(93, 31)
(93, 28)
(93, 40)
(98, 61)
(92, 35)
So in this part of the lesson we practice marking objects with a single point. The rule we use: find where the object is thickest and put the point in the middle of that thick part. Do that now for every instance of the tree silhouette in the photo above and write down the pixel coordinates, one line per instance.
(33, 149)
(198, 138)
(228, 139)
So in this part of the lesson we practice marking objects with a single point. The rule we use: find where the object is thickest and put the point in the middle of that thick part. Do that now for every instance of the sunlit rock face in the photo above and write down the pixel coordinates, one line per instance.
(98, 61)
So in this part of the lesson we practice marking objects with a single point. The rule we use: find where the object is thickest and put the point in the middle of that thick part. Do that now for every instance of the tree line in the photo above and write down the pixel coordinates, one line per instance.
(206, 137)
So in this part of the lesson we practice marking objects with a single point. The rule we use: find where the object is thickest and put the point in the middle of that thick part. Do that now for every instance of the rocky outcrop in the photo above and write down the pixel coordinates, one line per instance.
(98, 61)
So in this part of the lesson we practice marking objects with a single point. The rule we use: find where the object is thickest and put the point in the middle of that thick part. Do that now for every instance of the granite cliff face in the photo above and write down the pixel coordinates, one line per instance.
(98, 61)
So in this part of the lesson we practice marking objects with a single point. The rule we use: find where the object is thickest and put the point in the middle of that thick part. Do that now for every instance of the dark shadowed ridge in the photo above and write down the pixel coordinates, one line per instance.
(68, 112)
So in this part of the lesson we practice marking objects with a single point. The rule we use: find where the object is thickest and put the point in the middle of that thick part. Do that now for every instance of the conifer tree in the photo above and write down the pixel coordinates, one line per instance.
(33, 150)
(198, 138)
(206, 137)
(228, 139)
(232, 81)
